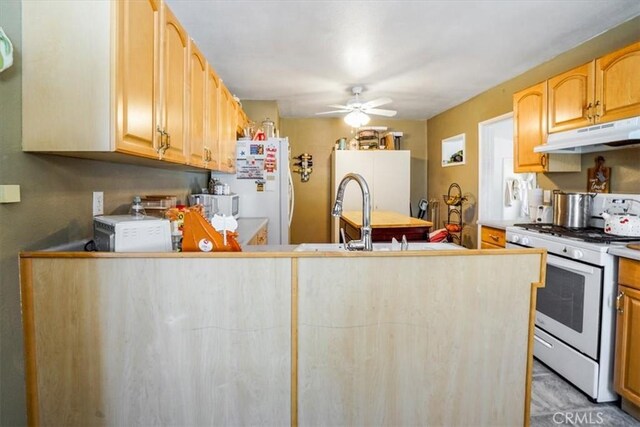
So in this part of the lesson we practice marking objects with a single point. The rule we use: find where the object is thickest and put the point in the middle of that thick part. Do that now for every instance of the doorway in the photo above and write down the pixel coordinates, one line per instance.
(501, 191)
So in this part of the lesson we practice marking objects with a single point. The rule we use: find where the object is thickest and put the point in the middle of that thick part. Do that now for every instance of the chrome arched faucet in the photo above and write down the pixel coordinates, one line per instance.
(365, 242)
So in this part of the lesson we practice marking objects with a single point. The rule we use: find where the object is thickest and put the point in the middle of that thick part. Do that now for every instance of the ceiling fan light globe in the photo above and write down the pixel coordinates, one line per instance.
(356, 119)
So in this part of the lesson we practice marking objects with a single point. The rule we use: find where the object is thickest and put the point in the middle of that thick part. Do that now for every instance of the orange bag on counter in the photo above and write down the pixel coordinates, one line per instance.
(200, 236)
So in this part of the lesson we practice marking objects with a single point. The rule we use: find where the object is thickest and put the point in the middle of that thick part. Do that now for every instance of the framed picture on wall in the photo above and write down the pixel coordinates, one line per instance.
(453, 151)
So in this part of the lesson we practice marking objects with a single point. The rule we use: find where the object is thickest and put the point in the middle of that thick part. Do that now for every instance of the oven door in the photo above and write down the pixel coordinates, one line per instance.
(568, 307)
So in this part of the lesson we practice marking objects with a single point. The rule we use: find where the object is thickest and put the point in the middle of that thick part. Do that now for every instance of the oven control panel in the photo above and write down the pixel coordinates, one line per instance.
(568, 248)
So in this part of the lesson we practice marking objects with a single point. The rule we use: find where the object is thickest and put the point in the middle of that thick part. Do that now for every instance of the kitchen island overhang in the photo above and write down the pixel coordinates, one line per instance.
(300, 338)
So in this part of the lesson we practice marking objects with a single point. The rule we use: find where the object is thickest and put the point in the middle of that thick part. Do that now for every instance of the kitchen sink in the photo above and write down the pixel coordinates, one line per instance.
(378, 247)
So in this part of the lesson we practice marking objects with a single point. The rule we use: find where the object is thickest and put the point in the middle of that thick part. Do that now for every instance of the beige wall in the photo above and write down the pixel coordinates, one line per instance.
(258, 111)
(465, 117)
(317, 136)
(56, 208)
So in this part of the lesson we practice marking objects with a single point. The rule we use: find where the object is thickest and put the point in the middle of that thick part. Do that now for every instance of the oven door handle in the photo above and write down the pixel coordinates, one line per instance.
(541, 341)
(569, 265)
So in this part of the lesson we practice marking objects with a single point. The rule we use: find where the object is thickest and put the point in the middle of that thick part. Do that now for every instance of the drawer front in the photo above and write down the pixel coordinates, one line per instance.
(493, 236)
(486, 245)
(629, 273)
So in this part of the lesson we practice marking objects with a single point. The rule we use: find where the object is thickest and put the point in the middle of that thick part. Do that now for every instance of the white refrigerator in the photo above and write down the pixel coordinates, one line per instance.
(263, 182)
(388, 175)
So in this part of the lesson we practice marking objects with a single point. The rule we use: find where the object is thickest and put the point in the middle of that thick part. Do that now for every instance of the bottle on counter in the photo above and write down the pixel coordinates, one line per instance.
(137, 210)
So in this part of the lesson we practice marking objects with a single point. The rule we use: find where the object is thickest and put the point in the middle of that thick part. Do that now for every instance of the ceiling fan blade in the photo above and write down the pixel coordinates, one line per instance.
(342, 107)
(335, 111)
(379, 112)
(376, 103)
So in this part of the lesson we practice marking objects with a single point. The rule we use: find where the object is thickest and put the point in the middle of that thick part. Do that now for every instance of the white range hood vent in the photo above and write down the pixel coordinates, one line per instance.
(606, 136)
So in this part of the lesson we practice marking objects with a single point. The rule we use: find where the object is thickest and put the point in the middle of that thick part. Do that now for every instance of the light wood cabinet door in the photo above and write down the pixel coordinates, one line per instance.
(229, 114)
(618, 84)
(225, 105)
(175, 63)
(627, 363)
(571, 98)
(198, 154)
(243, 120)
(530, 128)
(213, 119)
(137, 76)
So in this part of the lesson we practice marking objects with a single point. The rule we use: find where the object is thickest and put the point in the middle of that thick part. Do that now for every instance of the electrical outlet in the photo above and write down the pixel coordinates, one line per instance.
(98, 203)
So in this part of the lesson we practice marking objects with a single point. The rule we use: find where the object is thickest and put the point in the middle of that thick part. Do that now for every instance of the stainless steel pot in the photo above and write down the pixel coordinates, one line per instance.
(572, 209)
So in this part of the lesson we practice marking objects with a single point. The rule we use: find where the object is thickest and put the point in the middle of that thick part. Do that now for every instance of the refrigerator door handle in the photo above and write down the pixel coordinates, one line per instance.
(292, 198)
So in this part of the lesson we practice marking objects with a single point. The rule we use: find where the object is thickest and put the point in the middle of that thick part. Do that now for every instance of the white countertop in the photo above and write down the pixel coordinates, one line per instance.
(625, 252)
(248, 227)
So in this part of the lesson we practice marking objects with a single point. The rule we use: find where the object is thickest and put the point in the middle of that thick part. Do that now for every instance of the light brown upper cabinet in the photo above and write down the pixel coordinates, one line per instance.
(530, 128)
(126, 85)
(603, 90)
(571, 98)
(243, 121)
(618, 84)
(174, 76)
(228, 125)
(198, 154)
(212, 143)
(137, 77)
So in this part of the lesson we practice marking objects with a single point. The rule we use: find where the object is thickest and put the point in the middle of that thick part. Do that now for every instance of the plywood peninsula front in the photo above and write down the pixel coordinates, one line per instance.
(280, 338)
(385, 225)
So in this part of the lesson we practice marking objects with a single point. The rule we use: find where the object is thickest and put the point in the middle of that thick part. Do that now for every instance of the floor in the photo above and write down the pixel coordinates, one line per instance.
(555, 402)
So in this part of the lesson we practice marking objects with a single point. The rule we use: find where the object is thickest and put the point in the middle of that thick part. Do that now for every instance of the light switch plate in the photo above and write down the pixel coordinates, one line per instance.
(9, 193)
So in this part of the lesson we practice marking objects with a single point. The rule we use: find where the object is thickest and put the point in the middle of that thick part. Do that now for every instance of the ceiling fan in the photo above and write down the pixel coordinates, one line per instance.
(358, 111)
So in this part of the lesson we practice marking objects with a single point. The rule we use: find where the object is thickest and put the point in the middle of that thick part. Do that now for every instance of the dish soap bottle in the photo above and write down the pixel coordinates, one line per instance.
(137, 210)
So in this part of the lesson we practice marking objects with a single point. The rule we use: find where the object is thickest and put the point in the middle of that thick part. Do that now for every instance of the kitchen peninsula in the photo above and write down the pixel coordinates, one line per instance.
(276, 338)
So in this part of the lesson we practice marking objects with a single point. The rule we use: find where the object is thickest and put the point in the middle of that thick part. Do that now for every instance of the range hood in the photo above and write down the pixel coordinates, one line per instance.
(602, 137)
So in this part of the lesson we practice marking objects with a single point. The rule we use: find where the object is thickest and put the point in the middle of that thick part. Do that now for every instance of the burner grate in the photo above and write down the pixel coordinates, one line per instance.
(588, 234)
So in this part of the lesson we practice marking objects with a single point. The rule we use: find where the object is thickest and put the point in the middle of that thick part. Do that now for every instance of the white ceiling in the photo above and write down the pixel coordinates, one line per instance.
(427, 56)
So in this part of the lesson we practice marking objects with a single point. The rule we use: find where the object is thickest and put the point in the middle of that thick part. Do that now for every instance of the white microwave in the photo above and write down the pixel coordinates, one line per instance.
(228, 204)
(123, 233)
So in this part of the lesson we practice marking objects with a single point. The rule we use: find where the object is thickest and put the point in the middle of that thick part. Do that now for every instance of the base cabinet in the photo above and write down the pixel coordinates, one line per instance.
(492, 238)
(627, 361)
(277, 339)
(260, 237)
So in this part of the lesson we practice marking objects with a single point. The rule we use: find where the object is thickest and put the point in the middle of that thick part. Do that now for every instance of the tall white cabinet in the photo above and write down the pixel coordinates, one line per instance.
(387, 173)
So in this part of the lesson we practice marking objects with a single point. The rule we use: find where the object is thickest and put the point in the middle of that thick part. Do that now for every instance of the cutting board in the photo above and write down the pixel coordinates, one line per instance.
(598, 177)
(635, 246)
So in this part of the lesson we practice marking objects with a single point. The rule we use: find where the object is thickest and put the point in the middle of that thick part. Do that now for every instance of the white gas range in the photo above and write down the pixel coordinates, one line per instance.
(575, 311)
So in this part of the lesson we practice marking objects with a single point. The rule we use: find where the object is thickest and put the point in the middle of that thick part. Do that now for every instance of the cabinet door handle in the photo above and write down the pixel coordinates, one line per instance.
(165, 140)
(619, 306)
(588, 112)
(543, 160)
(494, 237)
(596, 116)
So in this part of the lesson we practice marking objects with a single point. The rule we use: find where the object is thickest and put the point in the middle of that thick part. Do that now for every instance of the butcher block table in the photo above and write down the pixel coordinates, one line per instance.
(385, 225)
